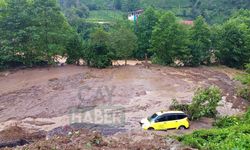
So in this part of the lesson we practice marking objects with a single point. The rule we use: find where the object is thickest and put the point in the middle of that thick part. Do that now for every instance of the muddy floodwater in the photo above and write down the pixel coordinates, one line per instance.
(114, 98)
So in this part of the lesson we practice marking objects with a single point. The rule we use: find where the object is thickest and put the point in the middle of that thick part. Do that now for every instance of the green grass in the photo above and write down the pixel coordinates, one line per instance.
(244, 78)
(166, 3)
(244, 91)
(229, 133)
(105, 16)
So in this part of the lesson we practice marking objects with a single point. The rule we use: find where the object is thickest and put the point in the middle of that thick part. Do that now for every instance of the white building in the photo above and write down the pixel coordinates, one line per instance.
(133, 16)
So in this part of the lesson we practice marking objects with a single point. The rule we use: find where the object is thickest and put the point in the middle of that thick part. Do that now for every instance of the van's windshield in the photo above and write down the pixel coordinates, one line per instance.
(152, 117)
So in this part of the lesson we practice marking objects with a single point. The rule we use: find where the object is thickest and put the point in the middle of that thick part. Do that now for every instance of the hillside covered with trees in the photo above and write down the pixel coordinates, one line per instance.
(213, 11)
(36, 33)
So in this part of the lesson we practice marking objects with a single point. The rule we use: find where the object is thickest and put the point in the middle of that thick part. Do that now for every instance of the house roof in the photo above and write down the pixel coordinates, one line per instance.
(187, 22)
(137, 11)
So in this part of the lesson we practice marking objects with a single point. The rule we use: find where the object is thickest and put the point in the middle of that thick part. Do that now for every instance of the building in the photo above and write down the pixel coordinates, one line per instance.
(188, 22)
(133, 16)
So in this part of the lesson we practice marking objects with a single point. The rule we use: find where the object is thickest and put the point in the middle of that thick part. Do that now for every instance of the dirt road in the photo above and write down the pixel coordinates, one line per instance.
(43, 99)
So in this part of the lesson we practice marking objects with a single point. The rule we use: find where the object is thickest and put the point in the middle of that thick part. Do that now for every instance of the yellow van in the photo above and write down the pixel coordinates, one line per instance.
(166, 120)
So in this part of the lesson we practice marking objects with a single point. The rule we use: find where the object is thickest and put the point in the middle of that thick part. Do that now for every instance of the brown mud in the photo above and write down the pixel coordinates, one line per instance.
(42, 99)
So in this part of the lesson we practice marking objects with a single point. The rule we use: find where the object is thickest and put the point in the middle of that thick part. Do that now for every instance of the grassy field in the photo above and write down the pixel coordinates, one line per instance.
(105, 16)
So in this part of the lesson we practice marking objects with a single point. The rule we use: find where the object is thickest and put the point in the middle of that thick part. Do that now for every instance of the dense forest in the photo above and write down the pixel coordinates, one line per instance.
(35, 32)
(214, 11)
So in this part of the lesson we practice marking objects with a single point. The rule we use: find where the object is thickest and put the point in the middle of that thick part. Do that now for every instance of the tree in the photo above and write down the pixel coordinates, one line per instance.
(118, 4)
(15, 27)
(51, 28)
(169, 41)
(145, 25)
(200, 43)
(74, 10)
(97, 54)
(124, 42)
(32, 32)
(74, 50)
(234, 47)
(130, 5)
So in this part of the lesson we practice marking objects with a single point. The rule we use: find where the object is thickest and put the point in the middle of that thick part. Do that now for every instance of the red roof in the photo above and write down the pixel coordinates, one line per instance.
(187, 22)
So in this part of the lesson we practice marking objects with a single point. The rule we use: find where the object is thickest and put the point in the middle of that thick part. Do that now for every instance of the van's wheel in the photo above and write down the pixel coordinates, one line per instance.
(151, 128)
(182, 128)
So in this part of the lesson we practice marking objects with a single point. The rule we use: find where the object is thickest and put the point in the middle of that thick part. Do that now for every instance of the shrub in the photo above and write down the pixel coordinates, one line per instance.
(247, 116)
(247, 68)
(227, 121)
(235, 137)
(244, 79)
(101, 61)
(233, 133)
(177, 106)
(204, 103)
(74, 50)
(244, 91)
(97, 53)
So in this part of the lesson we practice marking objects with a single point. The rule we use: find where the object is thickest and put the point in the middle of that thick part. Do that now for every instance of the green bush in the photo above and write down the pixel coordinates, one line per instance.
(244, 91)
(97, 53)
(235, 137)
(247, 68)
(177, 106)
(101, 61)
(74, 50)
(227, 121)
(204, 103)
(244, 78)
(230, 133)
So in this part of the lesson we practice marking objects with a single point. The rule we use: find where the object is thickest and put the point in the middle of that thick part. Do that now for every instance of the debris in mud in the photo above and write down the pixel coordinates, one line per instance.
(89, 75)
(141, 93)
(60, 131)
(105, 130)
(2, 108)
(82, 139)
(38, 123)
(138, 90)
(17, 136)
(4, 74)
(86, 139)
(53, 79)
(226, 108)
(58, 88)
(131, 83)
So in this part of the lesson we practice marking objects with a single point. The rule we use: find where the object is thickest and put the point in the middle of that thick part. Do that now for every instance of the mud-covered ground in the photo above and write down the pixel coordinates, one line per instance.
(111, 101)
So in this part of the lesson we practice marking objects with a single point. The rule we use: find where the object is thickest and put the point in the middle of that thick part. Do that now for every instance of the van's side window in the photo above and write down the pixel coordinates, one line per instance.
(161, 119)
(182, 116)
(172, 117)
